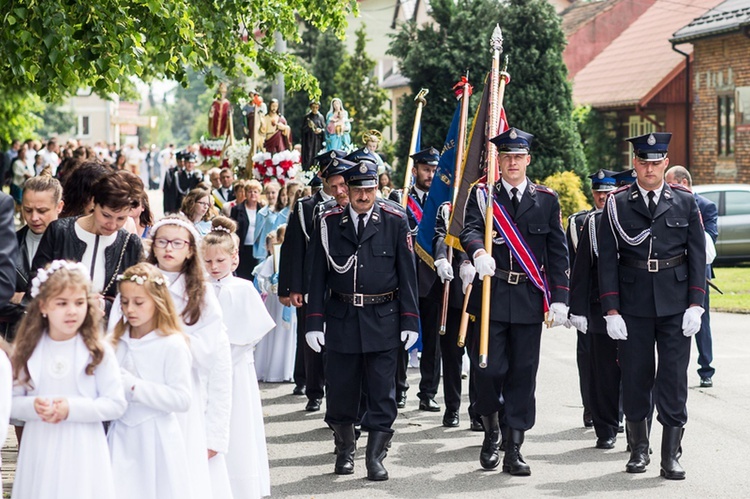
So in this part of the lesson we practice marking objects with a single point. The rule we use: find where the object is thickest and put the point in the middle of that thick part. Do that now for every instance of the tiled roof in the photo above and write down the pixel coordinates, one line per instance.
(725, 17)
(579, 13)
(639, 59)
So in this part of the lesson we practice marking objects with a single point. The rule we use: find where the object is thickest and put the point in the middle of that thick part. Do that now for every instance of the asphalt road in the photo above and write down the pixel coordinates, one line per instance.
(429, 461)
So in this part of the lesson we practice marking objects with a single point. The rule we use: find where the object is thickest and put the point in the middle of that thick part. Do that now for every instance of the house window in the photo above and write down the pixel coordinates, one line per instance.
(638, 125)
(726, 125)
(743, 105)
(83, 126)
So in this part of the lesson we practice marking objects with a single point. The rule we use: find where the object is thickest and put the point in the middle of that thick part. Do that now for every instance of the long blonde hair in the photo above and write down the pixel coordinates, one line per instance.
(166, 319)
(34, 325)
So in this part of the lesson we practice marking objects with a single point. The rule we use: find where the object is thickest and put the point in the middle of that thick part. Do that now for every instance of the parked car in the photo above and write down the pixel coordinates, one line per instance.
(733, 202)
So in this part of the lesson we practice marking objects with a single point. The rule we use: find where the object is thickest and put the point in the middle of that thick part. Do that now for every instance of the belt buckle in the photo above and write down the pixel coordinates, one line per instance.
(653, 265)
(513, 277)
(358, 300)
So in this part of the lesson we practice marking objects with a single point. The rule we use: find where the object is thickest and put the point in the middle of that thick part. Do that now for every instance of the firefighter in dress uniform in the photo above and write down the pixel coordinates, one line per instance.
(601, 371)
(518, 305)
(652, 278)
(363, 287)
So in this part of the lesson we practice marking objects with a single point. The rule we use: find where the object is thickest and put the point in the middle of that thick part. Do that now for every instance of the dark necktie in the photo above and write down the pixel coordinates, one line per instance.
(361, 225)
(514, 198)
(651, 202)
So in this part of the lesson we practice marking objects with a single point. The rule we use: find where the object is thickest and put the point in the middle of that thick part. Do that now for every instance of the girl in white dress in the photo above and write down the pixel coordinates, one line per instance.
(6, 391)
(67, 382)
(274, 356)
(175, 250)
(247, 321)
(146, 443)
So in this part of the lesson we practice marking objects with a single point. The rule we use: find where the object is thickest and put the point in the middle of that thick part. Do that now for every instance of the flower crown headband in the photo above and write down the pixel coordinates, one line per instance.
(142, 279)
(175, 221)
(43, 274)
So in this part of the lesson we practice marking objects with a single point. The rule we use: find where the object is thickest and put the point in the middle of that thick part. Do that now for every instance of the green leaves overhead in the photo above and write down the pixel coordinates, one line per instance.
(54, 47)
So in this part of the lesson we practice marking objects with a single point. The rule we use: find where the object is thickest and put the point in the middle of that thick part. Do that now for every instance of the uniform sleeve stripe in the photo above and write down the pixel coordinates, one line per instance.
(699, 289)
(610, 293)
(563, 287)
(410, 314)
(314, 315)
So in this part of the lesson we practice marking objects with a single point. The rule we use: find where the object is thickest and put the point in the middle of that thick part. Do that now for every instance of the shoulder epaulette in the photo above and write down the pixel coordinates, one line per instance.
(335, 210)
(578, 213)
(545, 189)
(389, 207)
(680, 187)
(620, 189)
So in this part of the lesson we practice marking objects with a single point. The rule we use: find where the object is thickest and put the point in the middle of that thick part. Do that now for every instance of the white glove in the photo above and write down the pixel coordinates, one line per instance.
(444, 270)
(485, 265)
(559, 313)
(467, 272)
(580, 322)
(616, 328)
(691, 321)
(316, 340)
(409, 338)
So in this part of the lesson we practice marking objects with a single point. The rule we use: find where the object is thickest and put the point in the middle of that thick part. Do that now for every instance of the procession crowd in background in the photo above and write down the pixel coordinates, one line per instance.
(160, 330)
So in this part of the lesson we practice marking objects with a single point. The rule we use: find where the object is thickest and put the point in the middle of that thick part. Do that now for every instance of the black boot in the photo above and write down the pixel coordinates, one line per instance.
(638, 443)
(489, 457)
(513, 461)
(343, 436)
(671, 452)
(374, 455)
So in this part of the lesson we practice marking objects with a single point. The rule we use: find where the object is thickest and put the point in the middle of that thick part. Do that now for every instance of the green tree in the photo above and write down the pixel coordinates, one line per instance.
(56, 121)
(538, 99)
(20, 116)
(598, 132)
(53, 48)
(359, 90)
(329, 54)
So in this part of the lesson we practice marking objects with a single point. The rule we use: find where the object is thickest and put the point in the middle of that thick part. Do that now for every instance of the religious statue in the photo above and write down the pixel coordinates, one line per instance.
(338, 126)
(372, 139)
(218, 115)
(254, 112)
(313, 133)
(277, 135)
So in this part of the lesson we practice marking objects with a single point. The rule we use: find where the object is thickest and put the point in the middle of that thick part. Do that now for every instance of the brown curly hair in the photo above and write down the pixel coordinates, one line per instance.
(192, 269)
(165, 316)
(33, 325)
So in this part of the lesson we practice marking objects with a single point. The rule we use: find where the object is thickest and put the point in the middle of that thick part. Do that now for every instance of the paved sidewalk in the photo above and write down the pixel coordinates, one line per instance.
(429, 461)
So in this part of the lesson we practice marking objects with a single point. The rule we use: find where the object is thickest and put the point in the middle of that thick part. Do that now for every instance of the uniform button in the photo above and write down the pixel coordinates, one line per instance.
(654, 237)
(361, 266)
(656, 254)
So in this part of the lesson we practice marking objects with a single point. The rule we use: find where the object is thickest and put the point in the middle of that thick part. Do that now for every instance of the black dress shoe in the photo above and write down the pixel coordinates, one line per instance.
(429, 405)
(401, 400)
(606, 443)
(707, 382)
(450, 419)
(299, 390)
(313, 405)
(476, 425)
(588, 419)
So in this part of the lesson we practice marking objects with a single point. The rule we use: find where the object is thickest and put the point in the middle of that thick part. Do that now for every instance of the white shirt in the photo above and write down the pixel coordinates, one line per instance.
(355, 216)
(32, 244)
(657, 193)
(250, 237)
(521, 188)
(325, 196)
(421, 195)
(99, 271)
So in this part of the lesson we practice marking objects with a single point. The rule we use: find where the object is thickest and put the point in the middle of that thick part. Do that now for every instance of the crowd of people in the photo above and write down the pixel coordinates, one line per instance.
(159, 330)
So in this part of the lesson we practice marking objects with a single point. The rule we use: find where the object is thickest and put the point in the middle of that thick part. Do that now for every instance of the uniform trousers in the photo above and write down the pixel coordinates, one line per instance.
(510, 375)
(703, 339)
(429, 363)
(309, 363)
(453, 357)
(346, 372)
(604, 395)
(641, 374)
(247, 262)
(402, 365)
(583, 359)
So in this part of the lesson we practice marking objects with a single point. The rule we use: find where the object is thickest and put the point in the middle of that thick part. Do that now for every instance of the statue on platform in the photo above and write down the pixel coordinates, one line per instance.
(218, 115)
(254, 112)
(276, 133)
(338, 126)
(313, 134)
(372, 139)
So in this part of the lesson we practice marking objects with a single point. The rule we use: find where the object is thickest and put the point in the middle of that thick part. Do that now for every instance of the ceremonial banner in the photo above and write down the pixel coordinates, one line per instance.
(441, 190)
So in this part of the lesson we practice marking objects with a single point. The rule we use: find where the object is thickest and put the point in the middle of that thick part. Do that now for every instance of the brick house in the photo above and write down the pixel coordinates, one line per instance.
(720, 92)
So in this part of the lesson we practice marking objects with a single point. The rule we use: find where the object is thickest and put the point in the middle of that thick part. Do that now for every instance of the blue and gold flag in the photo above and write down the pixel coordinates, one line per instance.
(441, 190)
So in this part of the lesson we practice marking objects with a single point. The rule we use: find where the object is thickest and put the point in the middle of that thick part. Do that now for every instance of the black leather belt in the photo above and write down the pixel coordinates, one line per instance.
(654, 265)
(360, 300)
(511, 277)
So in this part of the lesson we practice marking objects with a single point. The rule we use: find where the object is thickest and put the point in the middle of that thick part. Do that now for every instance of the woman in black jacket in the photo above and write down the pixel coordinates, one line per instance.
(98, 239)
